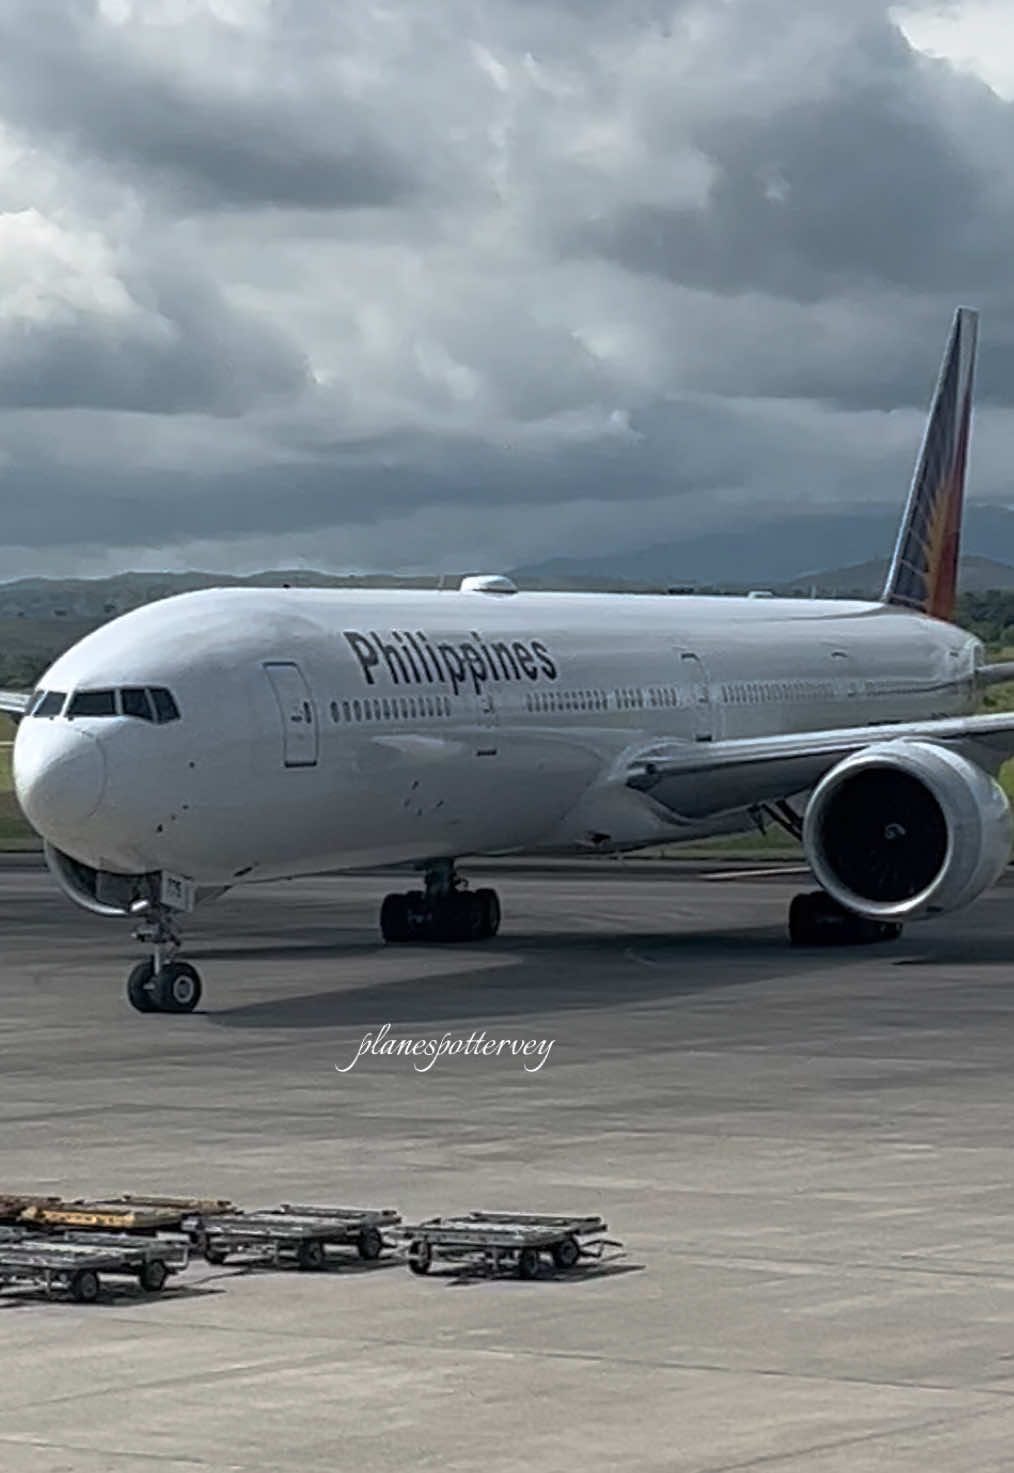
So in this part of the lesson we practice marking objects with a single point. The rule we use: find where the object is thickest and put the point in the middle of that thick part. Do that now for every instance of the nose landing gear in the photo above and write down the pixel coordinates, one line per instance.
(444, 911)
(162, 984)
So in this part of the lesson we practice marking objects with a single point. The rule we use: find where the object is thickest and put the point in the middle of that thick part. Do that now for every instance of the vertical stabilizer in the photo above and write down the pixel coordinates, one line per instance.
(924, 569)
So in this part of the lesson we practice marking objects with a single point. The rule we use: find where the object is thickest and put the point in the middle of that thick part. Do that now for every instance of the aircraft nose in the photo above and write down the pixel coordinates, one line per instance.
(59, 774)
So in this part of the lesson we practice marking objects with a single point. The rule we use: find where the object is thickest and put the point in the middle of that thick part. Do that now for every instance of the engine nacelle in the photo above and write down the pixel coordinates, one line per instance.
(906, 829)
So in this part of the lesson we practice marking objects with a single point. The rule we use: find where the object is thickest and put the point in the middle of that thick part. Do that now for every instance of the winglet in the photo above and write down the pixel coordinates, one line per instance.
(924, 569)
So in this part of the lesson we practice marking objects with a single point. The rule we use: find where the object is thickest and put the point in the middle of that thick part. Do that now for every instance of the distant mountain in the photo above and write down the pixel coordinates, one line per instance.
(866, 580)
(769, 555)
(96, 599)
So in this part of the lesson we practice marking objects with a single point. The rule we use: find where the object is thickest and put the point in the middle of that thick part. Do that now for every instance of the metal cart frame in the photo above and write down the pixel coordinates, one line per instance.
(494, 1241)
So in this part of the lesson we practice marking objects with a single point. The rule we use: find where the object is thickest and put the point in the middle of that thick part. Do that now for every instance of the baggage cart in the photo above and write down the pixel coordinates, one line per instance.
(494, 1241)
(125, 1214)
(76, 1262)
(292, 1233)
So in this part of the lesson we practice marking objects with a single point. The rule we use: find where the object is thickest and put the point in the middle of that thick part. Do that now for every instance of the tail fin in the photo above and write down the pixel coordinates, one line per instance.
(924, 570)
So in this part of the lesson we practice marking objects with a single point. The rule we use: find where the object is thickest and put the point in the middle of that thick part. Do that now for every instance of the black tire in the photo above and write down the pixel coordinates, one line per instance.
(489, 906)
(420, 1256)
(152, 1275)
(395, 925)
(84, 1286)
(215, 1256)
(566, 1253)
(311, 1256)
(139, 988)
(177, 988)
(802, 927)
(528, 1263)
(369, 1244)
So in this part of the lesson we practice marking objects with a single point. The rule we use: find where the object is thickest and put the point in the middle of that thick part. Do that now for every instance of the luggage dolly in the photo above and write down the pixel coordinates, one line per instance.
(75, 1262)
(497, 1240)
(125, 1214)
(292, 1232)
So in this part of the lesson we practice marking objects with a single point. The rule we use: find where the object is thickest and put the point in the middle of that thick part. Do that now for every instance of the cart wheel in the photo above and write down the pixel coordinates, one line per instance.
(84, 1286)
(152, 1275)
(528, 1263)
(420, 1256)
(369, 1244)
(566, 1253)
(311, 1254)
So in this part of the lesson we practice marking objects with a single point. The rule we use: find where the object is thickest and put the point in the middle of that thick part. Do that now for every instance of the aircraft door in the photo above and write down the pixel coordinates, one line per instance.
(694, 680)
(295, 706)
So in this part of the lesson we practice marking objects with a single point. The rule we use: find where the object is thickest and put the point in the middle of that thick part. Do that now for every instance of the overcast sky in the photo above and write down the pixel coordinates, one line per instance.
(402, 285)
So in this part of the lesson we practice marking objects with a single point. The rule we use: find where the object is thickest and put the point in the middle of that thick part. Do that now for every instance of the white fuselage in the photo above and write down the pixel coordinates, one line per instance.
(325, 729)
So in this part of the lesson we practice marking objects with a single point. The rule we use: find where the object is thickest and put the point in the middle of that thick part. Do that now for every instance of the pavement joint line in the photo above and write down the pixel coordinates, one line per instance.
(771, 1460)
(132, 1455)
(387, 1343)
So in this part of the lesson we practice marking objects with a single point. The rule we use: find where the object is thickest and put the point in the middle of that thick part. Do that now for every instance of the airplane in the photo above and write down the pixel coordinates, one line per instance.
(233, 736)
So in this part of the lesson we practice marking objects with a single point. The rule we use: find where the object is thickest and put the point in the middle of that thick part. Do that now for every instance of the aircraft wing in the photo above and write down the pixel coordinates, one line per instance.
(697, 779)
(14, 702)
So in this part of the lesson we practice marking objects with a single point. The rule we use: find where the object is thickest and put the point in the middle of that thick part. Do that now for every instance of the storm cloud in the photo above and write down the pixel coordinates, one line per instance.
(409, 287)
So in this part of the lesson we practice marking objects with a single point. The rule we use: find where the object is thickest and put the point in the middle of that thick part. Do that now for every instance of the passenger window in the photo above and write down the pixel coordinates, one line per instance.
(50, 703)
(166, 708)
(334, 711)
(93, 703)
(134, 702)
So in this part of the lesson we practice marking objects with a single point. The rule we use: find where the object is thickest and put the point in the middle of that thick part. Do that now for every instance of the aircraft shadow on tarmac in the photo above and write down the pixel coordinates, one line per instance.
(544, 973)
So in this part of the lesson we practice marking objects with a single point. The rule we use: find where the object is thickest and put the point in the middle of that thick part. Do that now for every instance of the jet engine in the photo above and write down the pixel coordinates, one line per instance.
(906, 829)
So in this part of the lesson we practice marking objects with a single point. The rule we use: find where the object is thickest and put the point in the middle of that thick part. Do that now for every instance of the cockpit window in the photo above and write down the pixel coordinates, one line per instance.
(166, 708)
(93, 703)
(49, 702)
(134, 702)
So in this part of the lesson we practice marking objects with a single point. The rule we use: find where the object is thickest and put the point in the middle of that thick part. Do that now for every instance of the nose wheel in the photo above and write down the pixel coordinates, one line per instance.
(162, 984)
(175, 989)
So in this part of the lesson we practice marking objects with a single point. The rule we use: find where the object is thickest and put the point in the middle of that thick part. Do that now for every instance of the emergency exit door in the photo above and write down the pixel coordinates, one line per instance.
(295, 706)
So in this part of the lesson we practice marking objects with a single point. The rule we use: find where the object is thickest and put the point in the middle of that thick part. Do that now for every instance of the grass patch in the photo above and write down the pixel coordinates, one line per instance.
(15, 832)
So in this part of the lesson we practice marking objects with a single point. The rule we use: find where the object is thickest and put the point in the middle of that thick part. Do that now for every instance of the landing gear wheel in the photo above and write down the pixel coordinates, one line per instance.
(567, 1253)
(815, 919)
(310, 1255)
(139, 991)
(84, 1286)
(369, 1243)
(488, 902)
(528, 1263)
(420, 1256)
(152, 1275)
(177, 988)
(395, 923)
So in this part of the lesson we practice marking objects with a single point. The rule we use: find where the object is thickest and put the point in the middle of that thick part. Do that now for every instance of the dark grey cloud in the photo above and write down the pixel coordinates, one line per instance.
(417, 281)
(279, 140)
(177, 348)
(865, 184)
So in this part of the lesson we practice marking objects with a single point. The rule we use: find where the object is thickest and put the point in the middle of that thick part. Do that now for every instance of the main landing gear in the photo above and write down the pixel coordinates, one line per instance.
(162, 984)
(815, 919)
(444, 911)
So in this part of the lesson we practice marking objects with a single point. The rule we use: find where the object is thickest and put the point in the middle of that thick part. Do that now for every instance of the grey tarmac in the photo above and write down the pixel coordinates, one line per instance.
(807, 1154)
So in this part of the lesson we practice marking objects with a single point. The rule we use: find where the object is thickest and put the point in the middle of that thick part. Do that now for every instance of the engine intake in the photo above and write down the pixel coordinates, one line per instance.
(906, 829)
